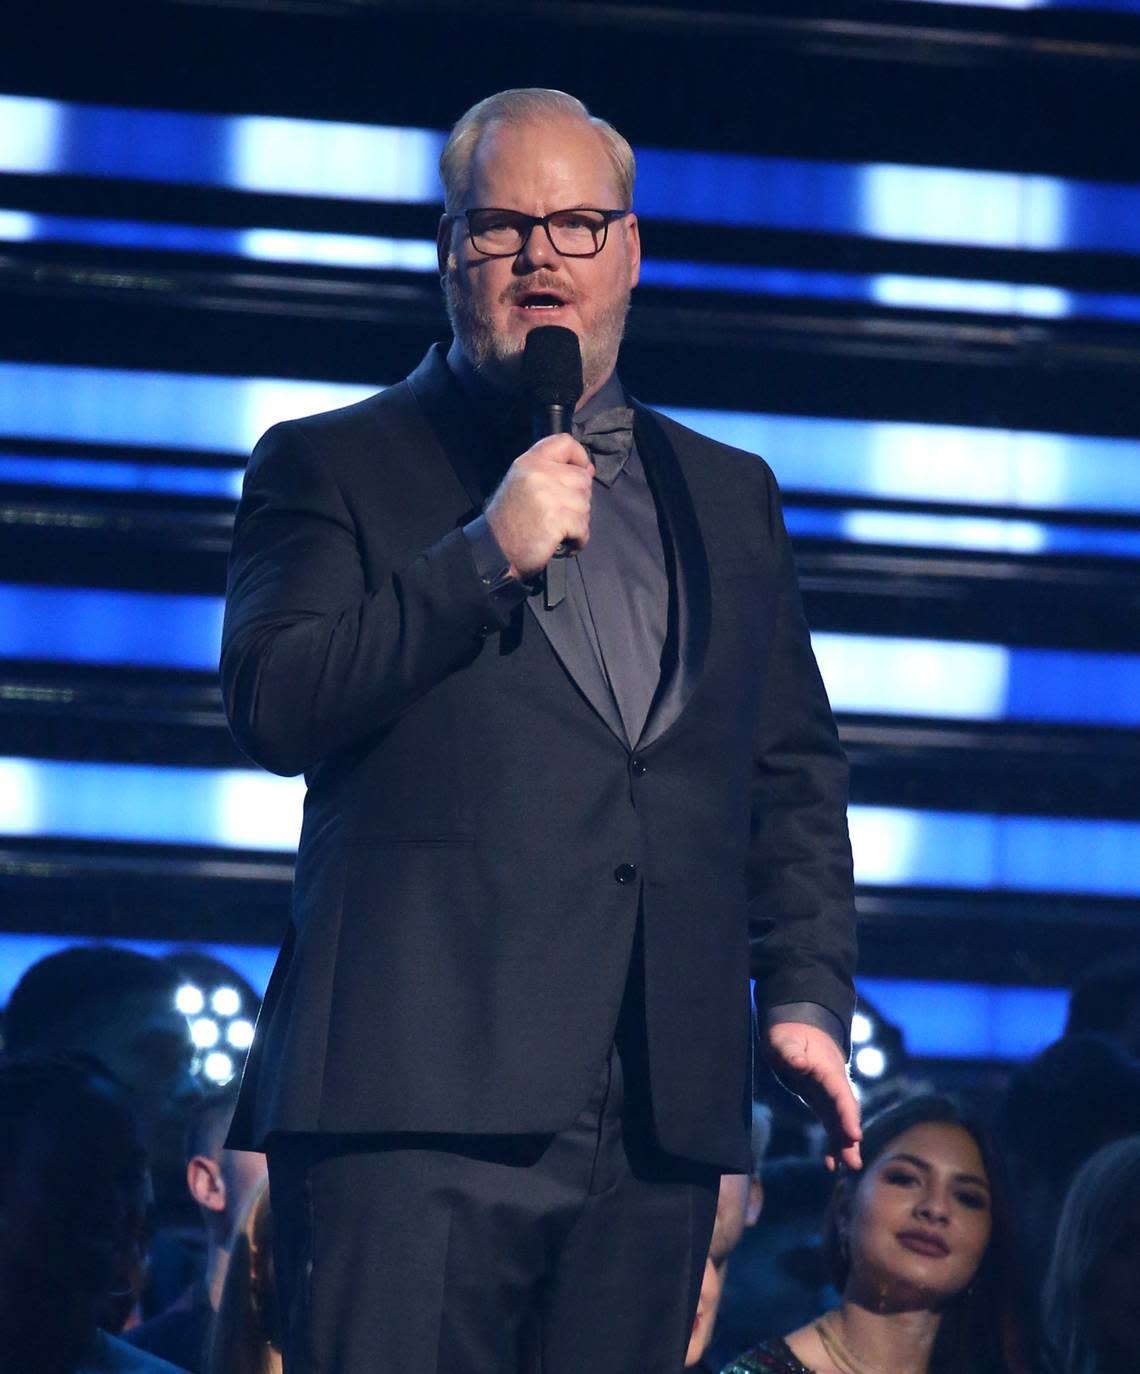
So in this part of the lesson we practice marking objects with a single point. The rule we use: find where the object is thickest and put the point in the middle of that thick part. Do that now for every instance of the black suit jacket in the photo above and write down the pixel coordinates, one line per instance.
(461, 933)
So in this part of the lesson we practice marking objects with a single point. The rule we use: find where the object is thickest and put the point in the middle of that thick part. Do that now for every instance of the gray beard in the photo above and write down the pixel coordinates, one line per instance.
(499, 360)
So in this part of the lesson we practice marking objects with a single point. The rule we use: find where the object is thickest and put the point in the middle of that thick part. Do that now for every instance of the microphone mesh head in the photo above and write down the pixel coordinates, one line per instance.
(552, 366)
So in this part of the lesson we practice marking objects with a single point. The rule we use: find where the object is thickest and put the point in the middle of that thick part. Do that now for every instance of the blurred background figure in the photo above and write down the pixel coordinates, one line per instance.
(118, 1006)
(1091, 1300)
(922, 1248)
(222, 1182)
(739, 1201)
(1081, 1093)
(246, 1335)
(73, 1193)
(1105, 1001)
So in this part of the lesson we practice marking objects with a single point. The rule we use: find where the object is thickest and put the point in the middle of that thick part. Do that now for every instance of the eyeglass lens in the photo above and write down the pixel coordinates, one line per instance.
(574, 233)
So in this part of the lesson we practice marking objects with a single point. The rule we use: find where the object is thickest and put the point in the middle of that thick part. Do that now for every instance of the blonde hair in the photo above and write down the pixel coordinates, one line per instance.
(244, 1337)
(517, 107)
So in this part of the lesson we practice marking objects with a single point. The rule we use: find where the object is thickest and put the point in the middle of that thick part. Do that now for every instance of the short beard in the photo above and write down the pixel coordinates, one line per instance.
(498, 359)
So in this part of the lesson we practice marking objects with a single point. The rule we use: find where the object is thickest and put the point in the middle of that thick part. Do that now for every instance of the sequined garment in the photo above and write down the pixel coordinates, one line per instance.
(769, 1357)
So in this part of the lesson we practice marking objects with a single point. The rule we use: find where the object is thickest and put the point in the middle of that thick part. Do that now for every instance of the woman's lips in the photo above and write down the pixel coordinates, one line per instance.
(922, 1243)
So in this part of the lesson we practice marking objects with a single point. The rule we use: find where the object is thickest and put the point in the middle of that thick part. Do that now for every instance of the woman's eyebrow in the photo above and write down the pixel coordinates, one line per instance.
(926, 1167)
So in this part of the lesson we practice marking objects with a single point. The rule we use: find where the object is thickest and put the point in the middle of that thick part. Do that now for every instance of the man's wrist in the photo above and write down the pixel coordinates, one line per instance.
(504, 589)
(808, 1014)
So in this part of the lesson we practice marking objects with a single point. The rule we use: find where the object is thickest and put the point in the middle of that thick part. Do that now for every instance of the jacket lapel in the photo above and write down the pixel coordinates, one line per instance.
(581, 661)
(690, 613)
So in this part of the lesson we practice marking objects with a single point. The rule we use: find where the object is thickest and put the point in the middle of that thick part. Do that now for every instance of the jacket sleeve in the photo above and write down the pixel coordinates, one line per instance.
(800, 880)
(313, 661)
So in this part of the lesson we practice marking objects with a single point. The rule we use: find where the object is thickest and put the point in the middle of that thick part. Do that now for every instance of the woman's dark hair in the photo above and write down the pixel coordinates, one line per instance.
(984, 1330)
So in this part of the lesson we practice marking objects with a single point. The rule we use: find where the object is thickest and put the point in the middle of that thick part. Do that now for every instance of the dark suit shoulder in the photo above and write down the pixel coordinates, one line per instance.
(728, 461)
(350, 424)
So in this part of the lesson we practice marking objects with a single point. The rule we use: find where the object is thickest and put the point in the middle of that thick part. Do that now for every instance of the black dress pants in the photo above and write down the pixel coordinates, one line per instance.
(578, 1253)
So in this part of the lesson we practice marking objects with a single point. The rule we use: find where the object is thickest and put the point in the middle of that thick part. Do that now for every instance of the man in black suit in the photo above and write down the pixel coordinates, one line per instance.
(505, 1053)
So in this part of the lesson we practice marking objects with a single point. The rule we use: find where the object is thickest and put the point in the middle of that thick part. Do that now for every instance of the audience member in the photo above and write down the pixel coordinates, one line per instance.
(118, 1006)
(778, 1278)
(246, 1337)
(73, 1193)
(1079, 1094)
(922, 1247)
(1106, 1001)
(221, 1182)
(1091, 1299)
(739, 1201)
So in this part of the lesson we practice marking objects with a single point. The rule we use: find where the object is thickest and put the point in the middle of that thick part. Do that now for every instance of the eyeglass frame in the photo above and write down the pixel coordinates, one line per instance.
(608, 218)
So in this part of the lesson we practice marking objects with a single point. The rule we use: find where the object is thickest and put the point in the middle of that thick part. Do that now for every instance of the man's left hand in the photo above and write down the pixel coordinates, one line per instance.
(809, 1063)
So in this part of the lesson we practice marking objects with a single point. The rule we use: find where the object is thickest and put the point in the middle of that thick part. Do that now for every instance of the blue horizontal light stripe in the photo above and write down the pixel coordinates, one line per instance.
(892, 459)
(315, 157)
(1121, 6)
(977, 532)
(876, 674)
(86, 625)
(887, 675)
(244, 809)
(895, 847)
(925, 462)
(95, 474)
(969, 1020)
(419, 255)
(231, 808)
(170, 410)
(19, 952)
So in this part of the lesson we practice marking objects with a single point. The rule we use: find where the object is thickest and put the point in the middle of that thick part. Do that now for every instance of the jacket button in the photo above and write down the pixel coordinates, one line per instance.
(638, 767)
(625, 873)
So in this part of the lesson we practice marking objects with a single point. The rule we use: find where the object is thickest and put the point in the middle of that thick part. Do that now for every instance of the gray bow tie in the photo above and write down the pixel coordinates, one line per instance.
(607, 437)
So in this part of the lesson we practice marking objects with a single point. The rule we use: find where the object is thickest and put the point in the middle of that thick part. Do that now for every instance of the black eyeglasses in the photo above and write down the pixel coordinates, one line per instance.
(579, 233)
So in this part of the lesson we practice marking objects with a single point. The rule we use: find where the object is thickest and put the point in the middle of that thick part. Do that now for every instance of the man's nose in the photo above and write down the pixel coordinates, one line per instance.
(537, 252)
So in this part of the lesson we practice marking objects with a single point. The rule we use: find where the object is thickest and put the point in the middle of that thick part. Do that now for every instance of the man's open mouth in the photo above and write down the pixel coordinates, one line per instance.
(540, 300)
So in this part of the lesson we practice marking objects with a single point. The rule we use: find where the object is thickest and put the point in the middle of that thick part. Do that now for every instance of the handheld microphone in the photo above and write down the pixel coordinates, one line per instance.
(552, 384)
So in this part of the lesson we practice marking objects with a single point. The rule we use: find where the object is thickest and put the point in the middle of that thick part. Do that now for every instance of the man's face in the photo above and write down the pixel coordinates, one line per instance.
(538, 167)
(144, 1041)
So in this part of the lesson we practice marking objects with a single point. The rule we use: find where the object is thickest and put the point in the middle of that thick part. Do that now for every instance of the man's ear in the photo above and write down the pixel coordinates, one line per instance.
(443, 243)
(633, 244)
(207, 1187)
(755, 1202)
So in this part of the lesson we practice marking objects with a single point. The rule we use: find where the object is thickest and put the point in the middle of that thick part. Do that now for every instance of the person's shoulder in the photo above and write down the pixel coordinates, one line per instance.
(114, 1356)
(769, 1357)
(333, 428)
(690, 443)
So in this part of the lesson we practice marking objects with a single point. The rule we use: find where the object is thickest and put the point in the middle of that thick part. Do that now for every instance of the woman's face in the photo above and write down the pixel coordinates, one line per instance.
(919, 1221)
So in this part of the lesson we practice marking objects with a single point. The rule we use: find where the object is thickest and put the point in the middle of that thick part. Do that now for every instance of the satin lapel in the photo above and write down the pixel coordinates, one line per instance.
(452, 418)
(690, 574)
(578, 658)
(463, 439)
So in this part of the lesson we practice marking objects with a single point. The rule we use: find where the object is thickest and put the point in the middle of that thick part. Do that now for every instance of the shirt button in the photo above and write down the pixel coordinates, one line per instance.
(638, 767)
(625, 873)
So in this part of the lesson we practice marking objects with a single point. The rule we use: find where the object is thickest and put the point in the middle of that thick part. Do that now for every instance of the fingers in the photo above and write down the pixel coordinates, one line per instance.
(542, 502)
(560, 448)
(812, 1065)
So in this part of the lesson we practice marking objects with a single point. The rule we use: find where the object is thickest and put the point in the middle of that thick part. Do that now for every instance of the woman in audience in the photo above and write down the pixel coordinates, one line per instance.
(1091, 1301)
(245, 1337)
(921, 1246)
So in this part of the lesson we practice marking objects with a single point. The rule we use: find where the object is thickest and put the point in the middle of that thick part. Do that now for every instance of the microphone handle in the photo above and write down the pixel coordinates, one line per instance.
(553, 419)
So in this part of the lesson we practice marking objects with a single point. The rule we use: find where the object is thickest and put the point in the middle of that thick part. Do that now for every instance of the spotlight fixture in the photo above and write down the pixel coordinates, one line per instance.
(204, 1032)
(226, 1001)
(218, 1067)
(189, 999)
